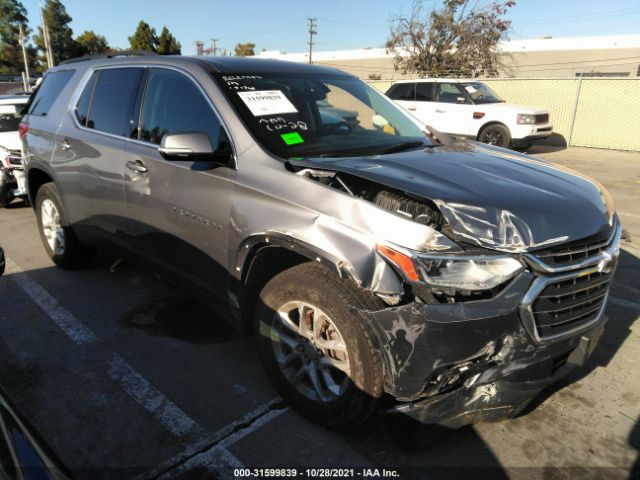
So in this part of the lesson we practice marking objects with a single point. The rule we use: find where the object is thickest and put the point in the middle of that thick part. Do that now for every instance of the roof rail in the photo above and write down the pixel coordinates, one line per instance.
(118, 53)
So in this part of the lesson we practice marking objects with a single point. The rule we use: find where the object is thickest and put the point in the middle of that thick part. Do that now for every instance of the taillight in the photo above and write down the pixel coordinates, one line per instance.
(23, 128)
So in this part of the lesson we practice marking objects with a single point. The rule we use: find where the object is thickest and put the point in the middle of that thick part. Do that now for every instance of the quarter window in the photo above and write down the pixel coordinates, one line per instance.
(48, 92)
(174, 104)
(113, 96)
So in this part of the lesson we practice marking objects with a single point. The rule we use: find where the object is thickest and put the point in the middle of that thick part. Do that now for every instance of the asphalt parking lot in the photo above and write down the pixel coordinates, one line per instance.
(124, 377)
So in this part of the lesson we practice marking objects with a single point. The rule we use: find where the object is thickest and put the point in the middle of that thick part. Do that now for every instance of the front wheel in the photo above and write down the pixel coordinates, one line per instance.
(497, 135)
(314, 347)
(58, 238)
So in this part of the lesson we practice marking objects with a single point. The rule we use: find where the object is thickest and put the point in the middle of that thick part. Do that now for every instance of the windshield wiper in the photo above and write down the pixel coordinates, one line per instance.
(400, 147)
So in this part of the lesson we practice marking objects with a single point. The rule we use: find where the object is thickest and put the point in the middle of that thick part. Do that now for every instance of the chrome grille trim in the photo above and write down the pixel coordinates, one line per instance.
(527, 313)
(610, 251)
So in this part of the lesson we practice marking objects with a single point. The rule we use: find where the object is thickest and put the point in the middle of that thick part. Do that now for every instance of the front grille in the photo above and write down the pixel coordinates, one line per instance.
(568, 304)
(542, 118)
(570, 253)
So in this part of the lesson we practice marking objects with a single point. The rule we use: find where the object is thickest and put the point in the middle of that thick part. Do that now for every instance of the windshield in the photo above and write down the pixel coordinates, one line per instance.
(480, 93)
(298, 115)
(9, 117)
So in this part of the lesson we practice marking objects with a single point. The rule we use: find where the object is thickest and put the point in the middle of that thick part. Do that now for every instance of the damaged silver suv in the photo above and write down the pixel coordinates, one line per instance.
(374, 260)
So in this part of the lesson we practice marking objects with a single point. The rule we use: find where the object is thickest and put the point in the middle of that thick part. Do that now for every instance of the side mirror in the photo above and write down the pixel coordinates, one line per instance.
(461, 100)
(194, 146)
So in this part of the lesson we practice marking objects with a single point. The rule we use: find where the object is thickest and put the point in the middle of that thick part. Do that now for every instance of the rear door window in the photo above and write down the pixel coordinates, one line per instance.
(402, 91)
(174, 104)
(424, 92)
(82, 108)
(48, 92)
(111, 108)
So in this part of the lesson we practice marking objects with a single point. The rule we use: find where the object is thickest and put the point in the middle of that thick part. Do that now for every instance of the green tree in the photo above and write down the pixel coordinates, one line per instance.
(57, 19)
(12, 16)
(459, 39)
(167, 43)
(144, 38)
(89, 43)
(245, 49)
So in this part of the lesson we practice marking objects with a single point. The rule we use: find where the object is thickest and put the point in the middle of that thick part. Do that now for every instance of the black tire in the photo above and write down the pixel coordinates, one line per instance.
(72, 254)
(495, 134)
(315, 284)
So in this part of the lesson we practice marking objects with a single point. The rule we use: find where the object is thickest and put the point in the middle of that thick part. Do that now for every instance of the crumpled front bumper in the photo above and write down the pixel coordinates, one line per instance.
(12, 183)
(455, 364)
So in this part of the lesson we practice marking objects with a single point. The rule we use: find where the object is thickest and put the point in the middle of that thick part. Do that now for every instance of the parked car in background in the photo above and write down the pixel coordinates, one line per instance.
(370, 257)
(12, 180)
(471, 109)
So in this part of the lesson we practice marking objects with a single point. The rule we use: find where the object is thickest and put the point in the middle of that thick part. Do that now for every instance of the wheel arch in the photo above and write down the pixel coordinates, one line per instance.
(488, 124)
(36, 177)
(261, 257)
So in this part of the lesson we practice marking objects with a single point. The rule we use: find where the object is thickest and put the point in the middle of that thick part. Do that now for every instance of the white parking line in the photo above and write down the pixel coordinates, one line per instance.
(74, 329)
(625, 303)
(154, 402)
(217, 459)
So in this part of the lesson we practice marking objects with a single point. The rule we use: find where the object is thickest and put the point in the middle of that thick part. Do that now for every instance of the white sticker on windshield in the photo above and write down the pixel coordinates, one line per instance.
(267, 102)
(470, 89)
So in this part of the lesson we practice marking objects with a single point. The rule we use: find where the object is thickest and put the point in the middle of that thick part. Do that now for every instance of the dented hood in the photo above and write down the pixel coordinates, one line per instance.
(490, 196)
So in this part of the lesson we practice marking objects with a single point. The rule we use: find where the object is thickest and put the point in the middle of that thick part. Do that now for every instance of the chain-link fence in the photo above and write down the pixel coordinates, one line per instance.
(585, 112)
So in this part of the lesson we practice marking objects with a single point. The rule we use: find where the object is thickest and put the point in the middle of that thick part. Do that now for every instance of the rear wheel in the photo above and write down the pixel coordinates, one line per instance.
(315, 348)
(58, 238)
(497, 135)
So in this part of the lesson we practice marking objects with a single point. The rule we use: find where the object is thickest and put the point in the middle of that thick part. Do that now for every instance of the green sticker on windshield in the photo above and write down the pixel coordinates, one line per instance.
(292, 138)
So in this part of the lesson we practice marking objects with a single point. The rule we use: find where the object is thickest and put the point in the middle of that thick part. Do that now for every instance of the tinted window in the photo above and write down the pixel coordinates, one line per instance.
(82, 109)
(174, 104)
(48, 91)
(112, 104)
(449, 93)
(424, 92)
(402, 91)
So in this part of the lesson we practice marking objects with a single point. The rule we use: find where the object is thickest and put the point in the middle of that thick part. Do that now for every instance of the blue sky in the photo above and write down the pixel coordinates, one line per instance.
(342, 24)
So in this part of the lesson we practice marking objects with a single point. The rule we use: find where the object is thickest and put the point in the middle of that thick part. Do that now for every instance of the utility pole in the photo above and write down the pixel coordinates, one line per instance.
(312, 32)
(215, 46)
(26, 78)
(47, 40)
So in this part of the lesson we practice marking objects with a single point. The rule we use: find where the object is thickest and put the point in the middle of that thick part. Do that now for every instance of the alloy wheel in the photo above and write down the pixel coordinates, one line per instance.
(310, 351)
(51, 227)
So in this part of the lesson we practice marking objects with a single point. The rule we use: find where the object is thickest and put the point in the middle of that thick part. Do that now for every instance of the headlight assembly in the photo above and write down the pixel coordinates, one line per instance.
(454, 272)
(526, 119)
(468, 273)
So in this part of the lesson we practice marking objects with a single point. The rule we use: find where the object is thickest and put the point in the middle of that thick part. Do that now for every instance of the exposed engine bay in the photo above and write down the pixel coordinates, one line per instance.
(419, 210)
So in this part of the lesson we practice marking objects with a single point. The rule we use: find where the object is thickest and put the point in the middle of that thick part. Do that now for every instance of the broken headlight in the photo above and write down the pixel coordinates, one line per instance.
(461, 272)
(453, 272)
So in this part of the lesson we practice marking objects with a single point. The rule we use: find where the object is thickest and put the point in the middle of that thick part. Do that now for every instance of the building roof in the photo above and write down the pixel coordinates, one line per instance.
(509, 46)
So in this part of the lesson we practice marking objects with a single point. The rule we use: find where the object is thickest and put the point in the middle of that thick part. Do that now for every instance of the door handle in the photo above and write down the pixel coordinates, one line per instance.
(411, 108)
(64, 145)
(137, 166)
(440, 111)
